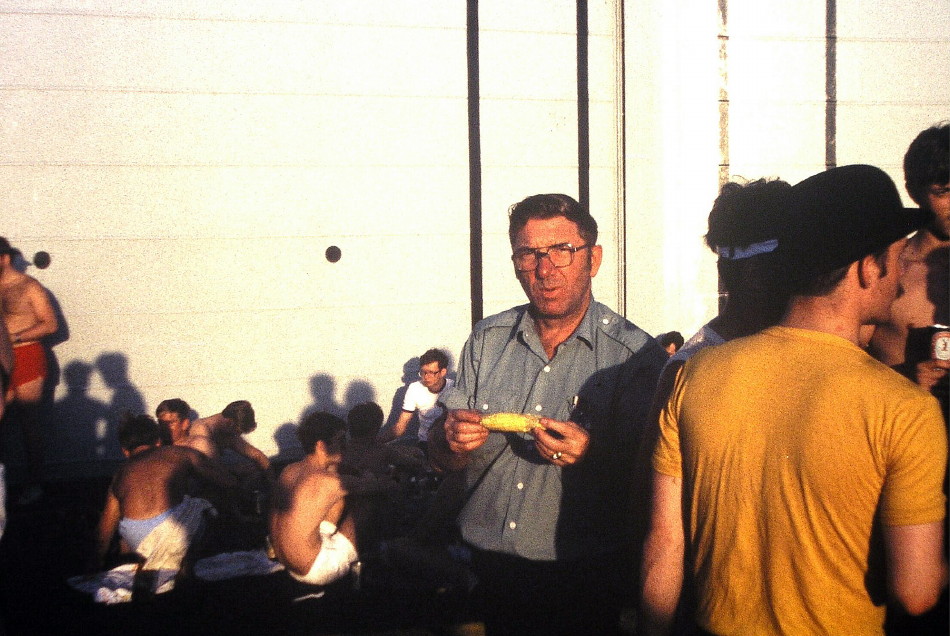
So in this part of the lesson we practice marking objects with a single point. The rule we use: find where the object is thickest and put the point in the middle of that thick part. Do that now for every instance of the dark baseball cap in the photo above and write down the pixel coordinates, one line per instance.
(6, 248)
(840, 216)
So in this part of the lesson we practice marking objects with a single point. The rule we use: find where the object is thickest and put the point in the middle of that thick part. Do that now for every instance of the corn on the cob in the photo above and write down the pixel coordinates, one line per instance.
(510, 422)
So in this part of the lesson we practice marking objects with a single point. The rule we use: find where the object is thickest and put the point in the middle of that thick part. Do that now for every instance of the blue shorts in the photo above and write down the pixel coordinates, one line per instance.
(133, 531)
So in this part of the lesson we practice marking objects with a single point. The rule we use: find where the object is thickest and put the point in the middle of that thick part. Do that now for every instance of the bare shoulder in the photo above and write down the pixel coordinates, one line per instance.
(152, 466)
(201, 427)
(120, 480)
(309, 481)
(289, 473)
(317, 478)
(33, 286)
(200, 443)
(29, 290)
(176, 455)
(20, 289)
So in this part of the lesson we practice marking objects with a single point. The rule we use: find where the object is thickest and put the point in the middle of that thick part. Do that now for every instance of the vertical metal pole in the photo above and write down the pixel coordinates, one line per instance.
(474, 164)
(583, 106)
(621, 175)
(831, 86)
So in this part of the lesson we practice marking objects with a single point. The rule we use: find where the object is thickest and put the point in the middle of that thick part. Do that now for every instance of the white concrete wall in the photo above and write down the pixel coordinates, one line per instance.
(891, 83)
(188, 164)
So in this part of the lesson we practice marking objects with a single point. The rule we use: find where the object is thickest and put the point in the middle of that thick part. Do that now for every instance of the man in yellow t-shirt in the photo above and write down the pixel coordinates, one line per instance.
(788, 459)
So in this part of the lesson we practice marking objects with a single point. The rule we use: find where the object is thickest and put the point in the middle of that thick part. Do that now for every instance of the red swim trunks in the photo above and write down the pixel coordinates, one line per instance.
(29, 363)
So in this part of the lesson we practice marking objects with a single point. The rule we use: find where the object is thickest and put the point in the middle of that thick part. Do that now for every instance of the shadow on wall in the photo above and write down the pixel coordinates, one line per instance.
(52, 362)
(323, 392)
(85, 429)
(410, 373)
(81, 427)
(82, 431)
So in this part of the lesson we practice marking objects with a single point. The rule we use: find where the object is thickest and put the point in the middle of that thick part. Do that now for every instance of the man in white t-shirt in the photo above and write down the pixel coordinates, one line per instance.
(422, 396)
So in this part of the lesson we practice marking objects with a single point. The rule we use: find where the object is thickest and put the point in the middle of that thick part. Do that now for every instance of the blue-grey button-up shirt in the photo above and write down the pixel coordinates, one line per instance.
(602, 378)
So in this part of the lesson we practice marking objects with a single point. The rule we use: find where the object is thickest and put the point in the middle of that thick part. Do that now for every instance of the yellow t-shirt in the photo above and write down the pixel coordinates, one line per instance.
(787, 441)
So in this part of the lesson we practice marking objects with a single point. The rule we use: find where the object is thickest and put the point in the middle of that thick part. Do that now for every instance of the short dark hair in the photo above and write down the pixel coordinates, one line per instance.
(6, 248)
(434, 355)
(927, 162)
(672, 337)
(242, 414)
(320, 426)
(174, 405)
(137, 430)
(364, 420)
(549, 206)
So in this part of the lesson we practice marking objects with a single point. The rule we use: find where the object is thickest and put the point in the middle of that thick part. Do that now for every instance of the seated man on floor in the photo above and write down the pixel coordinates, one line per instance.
(422, 397)
(147, 501)
(212, 436)
(364, 454)
(174, 422)
(312, 530)
(226, 430)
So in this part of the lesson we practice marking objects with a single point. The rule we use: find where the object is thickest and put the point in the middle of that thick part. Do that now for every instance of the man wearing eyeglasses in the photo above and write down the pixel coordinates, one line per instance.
(547, 516)
(422, 397)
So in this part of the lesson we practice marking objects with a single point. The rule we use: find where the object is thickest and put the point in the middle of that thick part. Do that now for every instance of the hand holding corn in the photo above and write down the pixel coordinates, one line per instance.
(511, 422)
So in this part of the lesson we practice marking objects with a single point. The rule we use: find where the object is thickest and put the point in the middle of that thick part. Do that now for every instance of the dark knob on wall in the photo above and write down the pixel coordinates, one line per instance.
(41, 260)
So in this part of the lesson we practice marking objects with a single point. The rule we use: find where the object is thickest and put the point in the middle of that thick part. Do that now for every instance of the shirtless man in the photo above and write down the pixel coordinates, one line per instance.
(29, 317)
(174, 421)
(226, 429)
(926, 265)
(310, 530)
(150, 488)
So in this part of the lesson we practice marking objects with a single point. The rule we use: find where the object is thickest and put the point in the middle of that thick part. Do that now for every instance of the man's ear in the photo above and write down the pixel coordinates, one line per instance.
(596, 257)
(869, 270)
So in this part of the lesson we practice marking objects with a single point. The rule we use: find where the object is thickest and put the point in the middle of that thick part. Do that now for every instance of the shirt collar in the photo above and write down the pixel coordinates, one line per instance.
(584, 332)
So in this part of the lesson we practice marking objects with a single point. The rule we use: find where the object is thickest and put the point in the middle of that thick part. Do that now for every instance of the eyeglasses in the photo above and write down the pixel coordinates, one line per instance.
(423, 374)
(560, 255)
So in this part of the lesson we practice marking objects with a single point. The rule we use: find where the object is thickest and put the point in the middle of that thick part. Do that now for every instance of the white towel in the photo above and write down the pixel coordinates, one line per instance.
(165, 547)
(231, 565)
(115, 585)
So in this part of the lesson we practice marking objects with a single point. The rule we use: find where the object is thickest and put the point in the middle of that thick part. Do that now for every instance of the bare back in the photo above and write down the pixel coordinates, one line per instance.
(306, 494)
(201, 443)
(154, 480)
(214, 426)
(216, 433)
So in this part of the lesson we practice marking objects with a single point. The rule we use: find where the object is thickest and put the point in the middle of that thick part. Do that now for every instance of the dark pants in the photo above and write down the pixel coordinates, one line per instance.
(520, 596)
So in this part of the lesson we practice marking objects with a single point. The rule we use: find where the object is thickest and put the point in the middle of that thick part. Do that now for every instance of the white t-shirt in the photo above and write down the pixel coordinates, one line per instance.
(419, 398)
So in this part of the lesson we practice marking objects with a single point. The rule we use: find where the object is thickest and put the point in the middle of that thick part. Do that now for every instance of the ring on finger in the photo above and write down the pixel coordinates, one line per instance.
(556, 456)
